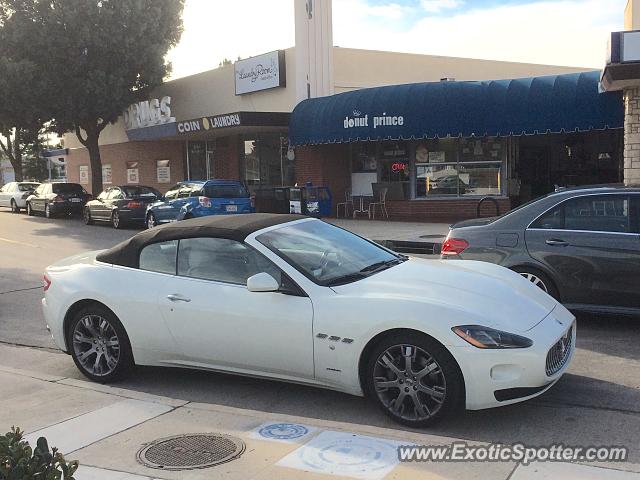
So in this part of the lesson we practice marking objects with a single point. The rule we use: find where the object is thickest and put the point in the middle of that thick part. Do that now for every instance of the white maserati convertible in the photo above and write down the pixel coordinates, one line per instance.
(300, 300)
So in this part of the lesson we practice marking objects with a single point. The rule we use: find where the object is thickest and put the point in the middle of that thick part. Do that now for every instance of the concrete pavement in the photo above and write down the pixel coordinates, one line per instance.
(104, 427)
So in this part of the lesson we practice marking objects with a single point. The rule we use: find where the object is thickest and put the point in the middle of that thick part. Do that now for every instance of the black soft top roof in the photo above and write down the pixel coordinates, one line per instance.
(234, 227)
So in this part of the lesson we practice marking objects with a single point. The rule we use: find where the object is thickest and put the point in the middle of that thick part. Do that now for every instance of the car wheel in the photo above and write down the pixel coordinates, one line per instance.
(151, 220)
(29, 209)
(115, 219)
(86, 216)
(414, 379)
(539, 279)
(99, 344)
(47, 211)
(14, 206)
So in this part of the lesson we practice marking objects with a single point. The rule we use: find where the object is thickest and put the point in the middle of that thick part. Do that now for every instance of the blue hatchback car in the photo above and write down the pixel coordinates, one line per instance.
(199, 198)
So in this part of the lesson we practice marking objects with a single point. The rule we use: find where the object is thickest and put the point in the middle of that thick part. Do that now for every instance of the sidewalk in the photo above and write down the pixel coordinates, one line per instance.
(104, 427)
(394, 231)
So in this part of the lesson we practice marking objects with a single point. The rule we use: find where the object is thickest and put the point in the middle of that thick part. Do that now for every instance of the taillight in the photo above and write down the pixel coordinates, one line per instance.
(134, 204)
(252, 199)
(47, 282)
(205, 202)
(58, 199)
(454, 246)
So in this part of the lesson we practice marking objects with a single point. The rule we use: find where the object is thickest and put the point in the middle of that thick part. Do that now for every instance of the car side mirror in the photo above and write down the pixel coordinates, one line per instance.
(262, 282)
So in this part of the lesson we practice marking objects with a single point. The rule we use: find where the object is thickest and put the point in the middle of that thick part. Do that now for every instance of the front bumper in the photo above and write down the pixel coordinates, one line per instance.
(506, 376)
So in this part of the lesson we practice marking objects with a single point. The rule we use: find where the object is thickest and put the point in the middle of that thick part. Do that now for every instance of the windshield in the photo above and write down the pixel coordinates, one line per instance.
(326, 254)
(141, 192)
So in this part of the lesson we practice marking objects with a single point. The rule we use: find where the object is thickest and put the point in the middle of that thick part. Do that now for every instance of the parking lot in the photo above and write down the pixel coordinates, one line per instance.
(596, 403)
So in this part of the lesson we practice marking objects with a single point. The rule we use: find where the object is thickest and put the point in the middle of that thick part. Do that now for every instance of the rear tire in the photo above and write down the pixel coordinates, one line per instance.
(414, 379)
(99, 344)
(86, 216)
(14, 206)
(47, 211)
(29, 209)
(540, 279)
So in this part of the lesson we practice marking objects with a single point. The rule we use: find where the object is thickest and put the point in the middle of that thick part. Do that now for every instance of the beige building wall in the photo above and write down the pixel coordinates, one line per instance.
(632, 15)
(213, 92)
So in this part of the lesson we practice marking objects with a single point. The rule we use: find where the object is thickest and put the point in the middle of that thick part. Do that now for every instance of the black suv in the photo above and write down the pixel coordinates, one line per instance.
(57, 198)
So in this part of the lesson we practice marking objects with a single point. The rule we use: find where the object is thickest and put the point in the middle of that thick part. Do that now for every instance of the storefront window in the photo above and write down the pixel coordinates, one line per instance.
(197, 152)
(265, 161)
(459, 167)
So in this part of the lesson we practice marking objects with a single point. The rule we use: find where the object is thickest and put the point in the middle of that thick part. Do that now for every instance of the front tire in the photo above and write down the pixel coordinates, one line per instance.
(29, 209)
(14, 206)
(151, 220)
(115, 220)
(47, 211)
(414, 379)
(99, 344)
(86, 216)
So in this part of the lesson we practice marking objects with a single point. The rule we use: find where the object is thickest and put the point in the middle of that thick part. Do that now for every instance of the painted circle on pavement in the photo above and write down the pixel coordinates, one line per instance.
(350, 455)
(283, 431)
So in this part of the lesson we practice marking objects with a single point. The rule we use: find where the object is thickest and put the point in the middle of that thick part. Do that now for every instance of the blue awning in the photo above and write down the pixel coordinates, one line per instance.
(523, 106)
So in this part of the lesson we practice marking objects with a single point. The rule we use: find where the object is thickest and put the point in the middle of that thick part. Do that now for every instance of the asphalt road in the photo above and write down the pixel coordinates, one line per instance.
(596, 403)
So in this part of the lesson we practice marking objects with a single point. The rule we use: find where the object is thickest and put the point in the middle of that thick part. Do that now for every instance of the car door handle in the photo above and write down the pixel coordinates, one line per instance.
(176, 297)
(554, 242)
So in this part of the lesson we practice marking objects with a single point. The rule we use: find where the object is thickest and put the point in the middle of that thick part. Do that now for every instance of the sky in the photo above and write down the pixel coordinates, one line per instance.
(555, 32)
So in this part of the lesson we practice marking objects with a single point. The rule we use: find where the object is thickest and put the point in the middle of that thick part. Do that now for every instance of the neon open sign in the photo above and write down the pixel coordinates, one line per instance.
(398, 167)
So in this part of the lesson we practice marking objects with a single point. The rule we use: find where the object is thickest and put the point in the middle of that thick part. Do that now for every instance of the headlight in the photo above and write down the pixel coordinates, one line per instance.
(485, 337)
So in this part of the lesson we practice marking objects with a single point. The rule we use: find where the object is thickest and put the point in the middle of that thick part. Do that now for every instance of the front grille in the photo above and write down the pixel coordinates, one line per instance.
(559, 353)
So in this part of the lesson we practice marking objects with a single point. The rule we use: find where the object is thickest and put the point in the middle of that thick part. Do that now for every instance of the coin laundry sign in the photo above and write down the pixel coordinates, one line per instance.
(384, 120)
(260, 73)
(208, 123)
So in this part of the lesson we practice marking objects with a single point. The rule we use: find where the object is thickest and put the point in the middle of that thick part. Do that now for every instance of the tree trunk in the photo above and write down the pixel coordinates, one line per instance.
(16, 158)
(91, 143)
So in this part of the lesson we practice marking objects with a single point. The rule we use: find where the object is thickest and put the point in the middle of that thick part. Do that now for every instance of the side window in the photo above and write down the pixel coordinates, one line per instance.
(602, 213)
(159, 257)
(222, 260)
(173, 192)
(551, 220)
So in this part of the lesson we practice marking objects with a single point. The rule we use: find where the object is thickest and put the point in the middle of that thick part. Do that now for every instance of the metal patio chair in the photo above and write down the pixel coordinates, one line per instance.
(348, 201)
(381, 203)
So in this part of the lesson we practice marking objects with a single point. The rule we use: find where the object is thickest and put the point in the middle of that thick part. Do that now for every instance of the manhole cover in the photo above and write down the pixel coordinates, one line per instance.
(187, 452)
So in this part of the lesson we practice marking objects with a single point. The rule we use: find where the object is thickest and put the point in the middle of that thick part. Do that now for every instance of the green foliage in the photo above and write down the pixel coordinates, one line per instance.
(19, 462)
(96, 57)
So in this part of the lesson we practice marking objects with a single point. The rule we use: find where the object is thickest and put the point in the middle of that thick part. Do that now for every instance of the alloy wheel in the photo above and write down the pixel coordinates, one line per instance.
(29, 210)
(151, 221)
(537, 281)
(96, 345)
(115, 219)
(14, 207)
(409, 382)
(47, 211)
(86, 216)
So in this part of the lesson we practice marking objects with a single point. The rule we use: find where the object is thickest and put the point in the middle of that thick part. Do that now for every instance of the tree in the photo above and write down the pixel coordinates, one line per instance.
(99, 56)
(225, 61)
(20, 107)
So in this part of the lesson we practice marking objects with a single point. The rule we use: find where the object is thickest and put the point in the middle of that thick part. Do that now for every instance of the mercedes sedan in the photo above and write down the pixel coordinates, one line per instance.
(299, 300)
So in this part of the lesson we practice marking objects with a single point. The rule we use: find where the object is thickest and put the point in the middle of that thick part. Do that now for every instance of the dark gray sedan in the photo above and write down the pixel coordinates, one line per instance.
(580, 245)
(126, 204)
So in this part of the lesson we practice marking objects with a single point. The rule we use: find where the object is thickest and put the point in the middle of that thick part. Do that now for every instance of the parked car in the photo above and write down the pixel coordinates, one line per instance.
(14, 195)
(193, 198)
(57, 198)
(297, 299)
(126, 204)
(581, 245)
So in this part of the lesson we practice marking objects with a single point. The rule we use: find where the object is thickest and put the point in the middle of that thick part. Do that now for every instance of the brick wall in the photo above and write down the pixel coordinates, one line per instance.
(443, 211)
(145, 153)
(632, 136)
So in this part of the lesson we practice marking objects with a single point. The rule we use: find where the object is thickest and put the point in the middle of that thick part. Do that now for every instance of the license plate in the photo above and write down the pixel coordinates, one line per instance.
(232, 208)
(75, 200)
